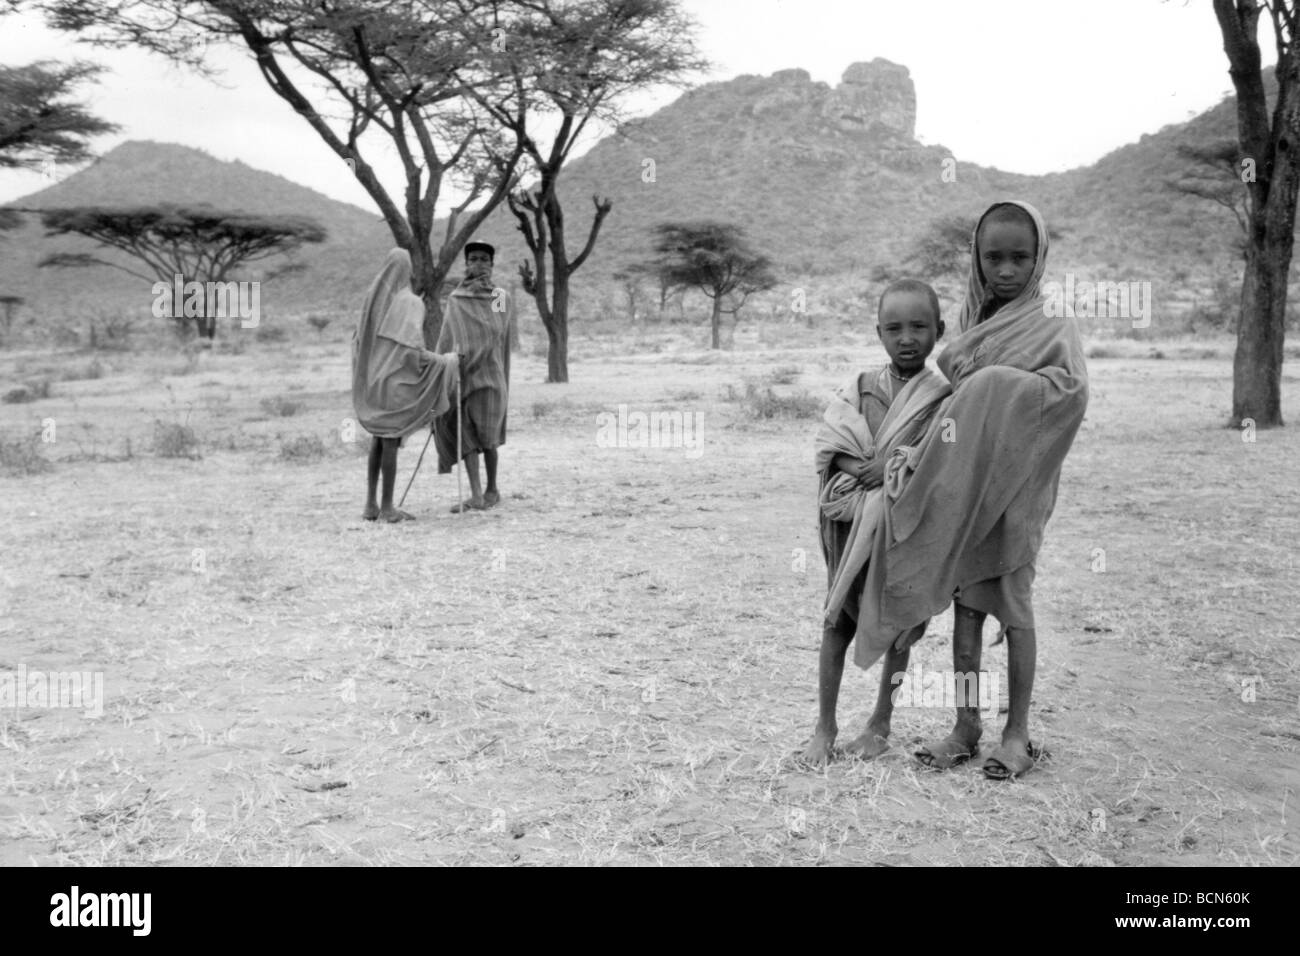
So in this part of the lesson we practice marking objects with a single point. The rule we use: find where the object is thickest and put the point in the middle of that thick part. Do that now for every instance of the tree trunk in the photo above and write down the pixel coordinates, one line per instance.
(557, 334)
(1257, 364)
(717, 321)
(428, 286)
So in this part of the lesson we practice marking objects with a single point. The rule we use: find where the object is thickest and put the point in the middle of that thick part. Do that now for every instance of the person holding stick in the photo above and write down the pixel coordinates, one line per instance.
(477, 325)
(398, 386)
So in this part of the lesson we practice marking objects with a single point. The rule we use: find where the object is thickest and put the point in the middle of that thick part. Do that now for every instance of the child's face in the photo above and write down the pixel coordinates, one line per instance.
(1008, 251)
(908, 328)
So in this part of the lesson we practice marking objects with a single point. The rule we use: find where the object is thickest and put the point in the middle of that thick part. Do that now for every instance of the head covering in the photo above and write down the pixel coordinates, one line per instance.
(481, 247)
(975, 291)
(392, 310)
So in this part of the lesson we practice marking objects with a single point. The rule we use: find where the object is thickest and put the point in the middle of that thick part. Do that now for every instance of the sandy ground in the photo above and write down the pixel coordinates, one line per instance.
(616, 665)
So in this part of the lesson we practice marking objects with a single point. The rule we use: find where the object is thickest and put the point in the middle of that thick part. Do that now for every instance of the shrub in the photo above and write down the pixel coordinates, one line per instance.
(172, 440)
(23, 456)
(760, 400)
(28, 392)
(271, 333)
(302, 448)
(92, 369)
(784, 375)
(281, 407)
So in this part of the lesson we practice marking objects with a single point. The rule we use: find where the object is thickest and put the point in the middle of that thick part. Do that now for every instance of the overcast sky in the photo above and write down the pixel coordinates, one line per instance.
(1032, 86)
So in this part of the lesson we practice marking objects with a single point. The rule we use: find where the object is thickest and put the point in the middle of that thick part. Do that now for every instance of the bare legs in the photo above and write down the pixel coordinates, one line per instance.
(478, 499)
(874, 740)
(382, 462)
(963, 741)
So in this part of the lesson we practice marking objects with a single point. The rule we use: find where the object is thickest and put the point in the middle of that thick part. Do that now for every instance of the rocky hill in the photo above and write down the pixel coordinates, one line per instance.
(829, 180)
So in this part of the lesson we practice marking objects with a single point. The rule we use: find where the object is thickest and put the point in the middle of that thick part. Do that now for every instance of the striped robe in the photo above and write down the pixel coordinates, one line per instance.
(481, 333)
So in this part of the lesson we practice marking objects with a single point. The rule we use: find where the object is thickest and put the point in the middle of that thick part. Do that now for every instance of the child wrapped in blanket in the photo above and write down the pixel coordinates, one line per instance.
(860, 446)
(975, 495)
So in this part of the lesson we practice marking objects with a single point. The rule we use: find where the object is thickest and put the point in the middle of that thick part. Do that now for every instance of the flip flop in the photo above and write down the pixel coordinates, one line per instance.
(400, 516)
(366, 517)
(957, 753)
(467, 505)
(491, 499)
(1011, 765)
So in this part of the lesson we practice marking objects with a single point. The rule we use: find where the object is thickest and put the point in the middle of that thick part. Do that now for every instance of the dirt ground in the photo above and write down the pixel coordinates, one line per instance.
(616, 665)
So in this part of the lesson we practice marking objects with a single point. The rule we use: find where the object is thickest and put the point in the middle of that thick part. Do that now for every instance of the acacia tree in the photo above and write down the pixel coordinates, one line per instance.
(715, 258)
(360, 73)
(561, 66)
(1270, 168)
(39, 122)
(198, 244)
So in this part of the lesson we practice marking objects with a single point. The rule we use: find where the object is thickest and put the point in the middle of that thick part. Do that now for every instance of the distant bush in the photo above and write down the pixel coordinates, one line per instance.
(1101, 352)
(784, 375)
(318, 322)
(28, 392)
(92, 369)
(272, 333)
(281, 407)
(111, 332)
(761, 401)
(23, 456)
(302, 448)
(542, 409)
(172, 440)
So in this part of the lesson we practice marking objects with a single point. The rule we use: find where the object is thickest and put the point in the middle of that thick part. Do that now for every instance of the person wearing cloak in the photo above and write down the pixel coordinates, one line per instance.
(398, 385)
(477, 324)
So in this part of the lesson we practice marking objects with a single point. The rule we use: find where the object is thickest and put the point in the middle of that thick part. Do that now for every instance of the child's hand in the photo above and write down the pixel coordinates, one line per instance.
(872, 473)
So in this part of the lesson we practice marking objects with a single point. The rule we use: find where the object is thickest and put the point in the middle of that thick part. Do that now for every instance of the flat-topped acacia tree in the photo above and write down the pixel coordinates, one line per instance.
(717, 259)
(198, 243)
(39, 123)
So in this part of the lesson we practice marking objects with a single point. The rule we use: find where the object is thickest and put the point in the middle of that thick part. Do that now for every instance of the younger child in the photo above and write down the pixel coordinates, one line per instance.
(878, 416)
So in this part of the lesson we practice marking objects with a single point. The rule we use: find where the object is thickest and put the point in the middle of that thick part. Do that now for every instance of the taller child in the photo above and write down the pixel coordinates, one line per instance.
(477, 325)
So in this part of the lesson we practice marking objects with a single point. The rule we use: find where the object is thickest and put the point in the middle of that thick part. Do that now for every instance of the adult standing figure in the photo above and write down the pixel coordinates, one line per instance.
(398, 386)
(477, 325)
(967, 508)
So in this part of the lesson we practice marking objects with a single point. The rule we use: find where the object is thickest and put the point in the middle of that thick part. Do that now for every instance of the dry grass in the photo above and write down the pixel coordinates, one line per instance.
(616, 664)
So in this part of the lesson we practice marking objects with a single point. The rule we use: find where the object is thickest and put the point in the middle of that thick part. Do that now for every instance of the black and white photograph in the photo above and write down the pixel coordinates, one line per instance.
(650, 433)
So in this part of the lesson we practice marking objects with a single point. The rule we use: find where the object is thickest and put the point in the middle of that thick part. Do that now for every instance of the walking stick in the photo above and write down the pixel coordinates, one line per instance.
(460, 501)
(417, 470)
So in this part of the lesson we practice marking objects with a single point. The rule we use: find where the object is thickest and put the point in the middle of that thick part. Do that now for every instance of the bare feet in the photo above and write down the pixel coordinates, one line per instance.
(469, 504)
(491, 498)
(958, 747)
(394, 515)
(870, 744)
(820, 749)
(370, 512)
